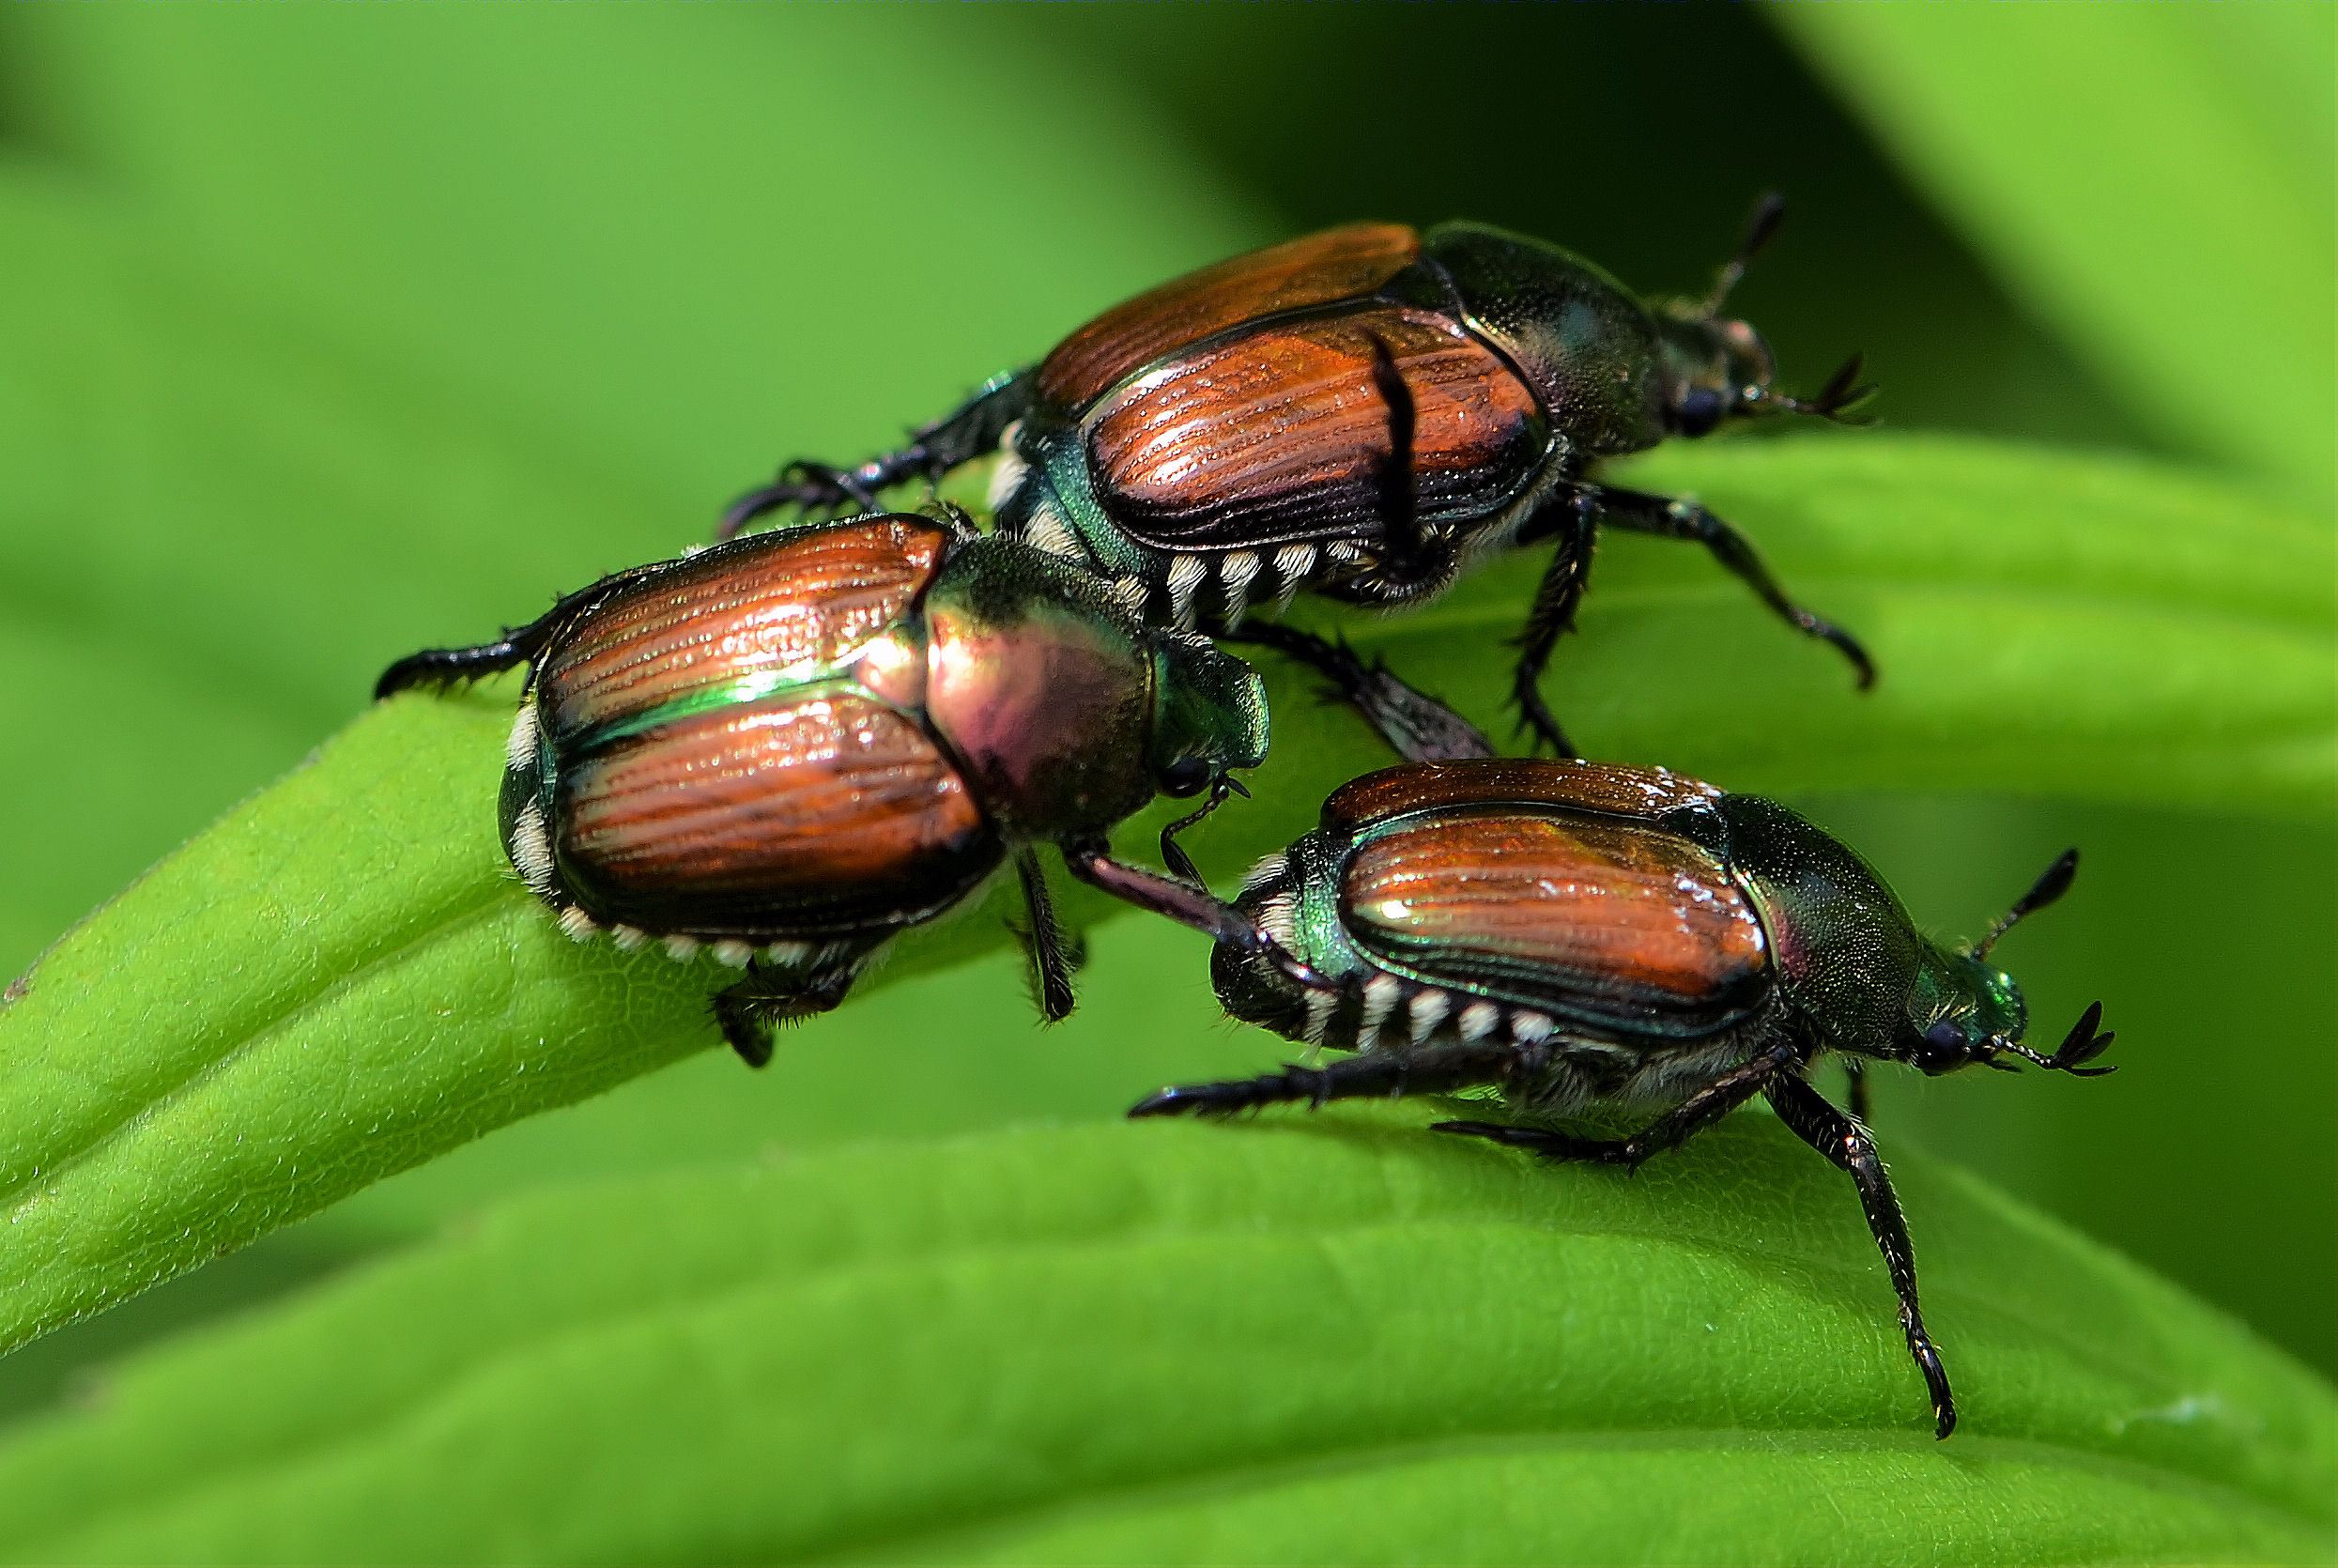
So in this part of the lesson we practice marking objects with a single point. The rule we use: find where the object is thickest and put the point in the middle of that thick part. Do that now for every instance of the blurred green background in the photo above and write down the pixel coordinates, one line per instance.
(338, 331)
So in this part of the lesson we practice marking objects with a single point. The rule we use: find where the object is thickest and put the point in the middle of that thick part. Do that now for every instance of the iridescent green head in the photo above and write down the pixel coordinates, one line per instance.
(1210, 715)
(1963, 1009)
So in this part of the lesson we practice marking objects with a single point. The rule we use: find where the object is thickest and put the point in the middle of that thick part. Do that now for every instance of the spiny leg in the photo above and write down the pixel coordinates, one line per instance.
(1416, 726)
(975, 428)
(1862, 1105)
(1378, 1074)
(1052, 959)
(1552, 614)
(762, 1000)
(1681, 519)
(1712, 1100)
(1191, 906)
(443, 667)
(1847, 1144)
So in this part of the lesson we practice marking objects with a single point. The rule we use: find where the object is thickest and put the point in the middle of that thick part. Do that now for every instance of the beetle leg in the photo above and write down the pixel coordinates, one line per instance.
(1416, 726)
(973, 430)
(762, 1001)
(443, 667)
(1861, 1103)
(1708, 1104)
(1550, 616)
(1847, 1144)
(1052, 959)
(1195, 907)
(1682, 519)
(1378, 1074)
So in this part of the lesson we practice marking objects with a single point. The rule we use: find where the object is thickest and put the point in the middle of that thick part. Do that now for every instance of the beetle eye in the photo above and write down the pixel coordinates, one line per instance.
(1698, 411)
(1944, 1048)
(1186, 775)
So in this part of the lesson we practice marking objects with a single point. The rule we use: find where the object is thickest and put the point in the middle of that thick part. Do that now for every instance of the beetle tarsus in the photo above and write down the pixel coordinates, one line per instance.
(762, 1001)
(1805, 1111)
(1686, 520)
(973, 428)
(1725, 1092)
(1052, 958)
(1375, 1075)
(440, 668)
(812, 488)
(1548, 1143)
(1416, 726)
(1571, 518)
(1536, 722)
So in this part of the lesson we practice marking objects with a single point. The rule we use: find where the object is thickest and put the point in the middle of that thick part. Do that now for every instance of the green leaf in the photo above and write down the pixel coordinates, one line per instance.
(342, 980)
(2157, 181)
(1336, 1339)
(284, 393)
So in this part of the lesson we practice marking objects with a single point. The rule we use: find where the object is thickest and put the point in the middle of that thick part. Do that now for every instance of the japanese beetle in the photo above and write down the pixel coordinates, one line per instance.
(787, 750)
(1360, 413)
(1574, 935)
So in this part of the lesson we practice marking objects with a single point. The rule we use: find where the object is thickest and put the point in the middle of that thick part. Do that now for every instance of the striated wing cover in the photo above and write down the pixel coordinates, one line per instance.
(778, 605)
(812, 813)
(1316, 269)
(1602, 788)
(1283, 433)
(1613, 924)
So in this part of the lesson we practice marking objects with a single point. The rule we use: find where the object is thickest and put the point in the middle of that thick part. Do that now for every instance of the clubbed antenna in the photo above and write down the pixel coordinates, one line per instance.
(2052, 886)
(1767, 214)
(1839, 400)
(2081, 1046)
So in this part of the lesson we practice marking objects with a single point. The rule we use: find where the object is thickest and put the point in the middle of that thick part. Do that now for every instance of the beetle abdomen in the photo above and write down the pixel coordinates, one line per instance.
(1603, 921)
(1283, 434)
(1317, 270)
(782, 606)
(819, 811)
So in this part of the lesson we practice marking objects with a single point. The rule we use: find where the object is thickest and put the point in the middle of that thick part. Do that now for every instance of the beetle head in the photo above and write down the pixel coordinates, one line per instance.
(1963, 1009)
(1210, 715)
(1713, 369)
(1717, 367)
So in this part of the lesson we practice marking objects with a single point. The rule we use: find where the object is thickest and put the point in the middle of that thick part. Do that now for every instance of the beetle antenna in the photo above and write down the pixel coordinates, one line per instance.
(2048, 887)
(1837, 401)
(1767, 214)
(2081, 1046)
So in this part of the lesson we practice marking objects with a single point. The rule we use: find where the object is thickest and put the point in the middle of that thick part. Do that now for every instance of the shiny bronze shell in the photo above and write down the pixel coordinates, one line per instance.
(814, 813)
(1282, 434)
(712, 769)
(1602, 788)
(1612, 920)
(1317, 270)
(779, 605)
